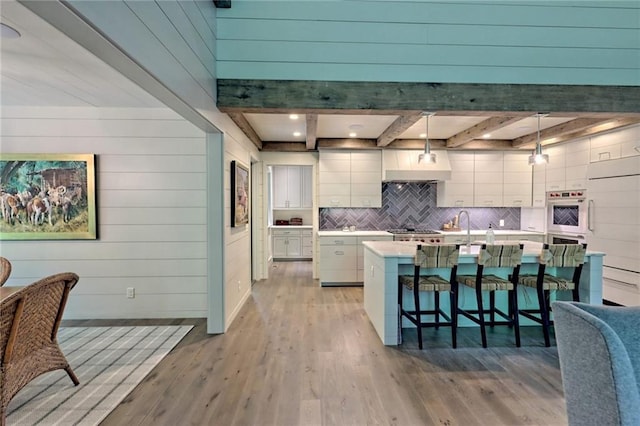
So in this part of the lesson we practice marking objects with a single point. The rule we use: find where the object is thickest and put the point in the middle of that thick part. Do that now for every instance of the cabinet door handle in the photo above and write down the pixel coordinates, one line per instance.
(339, 242)
(590, 208)
(339, 253)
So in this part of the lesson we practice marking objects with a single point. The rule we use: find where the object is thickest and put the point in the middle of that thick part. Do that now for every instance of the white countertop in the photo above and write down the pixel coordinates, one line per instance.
(495, 231)
(408, 248)
(339, 233)
(291, 226)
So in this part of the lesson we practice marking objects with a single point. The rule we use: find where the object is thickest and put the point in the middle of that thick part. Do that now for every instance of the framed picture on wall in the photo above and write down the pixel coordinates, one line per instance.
(239, 194)
(47, 197)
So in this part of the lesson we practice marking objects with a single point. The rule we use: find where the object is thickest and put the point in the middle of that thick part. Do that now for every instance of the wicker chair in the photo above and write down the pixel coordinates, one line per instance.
(5, 270)
(29, 321)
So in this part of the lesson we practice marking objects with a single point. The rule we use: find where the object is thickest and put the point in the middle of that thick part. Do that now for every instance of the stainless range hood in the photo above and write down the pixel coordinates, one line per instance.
(402, 166)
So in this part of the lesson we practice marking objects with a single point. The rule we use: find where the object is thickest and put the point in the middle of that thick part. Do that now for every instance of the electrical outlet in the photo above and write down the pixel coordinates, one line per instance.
(501, 222)
(131, 292)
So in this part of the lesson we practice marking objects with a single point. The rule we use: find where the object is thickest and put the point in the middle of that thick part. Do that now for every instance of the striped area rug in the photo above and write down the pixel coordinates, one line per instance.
(109, 362)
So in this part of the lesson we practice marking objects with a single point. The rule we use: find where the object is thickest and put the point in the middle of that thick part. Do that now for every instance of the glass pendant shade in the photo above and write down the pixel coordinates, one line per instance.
(427, 156)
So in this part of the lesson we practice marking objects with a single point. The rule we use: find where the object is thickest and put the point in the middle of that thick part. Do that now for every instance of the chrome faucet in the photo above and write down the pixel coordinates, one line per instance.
(468, 227)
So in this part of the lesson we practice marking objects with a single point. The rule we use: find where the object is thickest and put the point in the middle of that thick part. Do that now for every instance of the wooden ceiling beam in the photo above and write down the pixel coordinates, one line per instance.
(246, 128)
(284, 146)
(312, 130)
(376, 97)
(484, 127)
(399, 126)
(557, 131)
(598, 128)
(347, 143)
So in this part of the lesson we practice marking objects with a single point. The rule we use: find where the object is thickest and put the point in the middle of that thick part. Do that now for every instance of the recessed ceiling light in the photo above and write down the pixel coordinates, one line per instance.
(297, 134)
(353, 134)
(486, 135)
(422, 135)
(8, 32)
(294, 116)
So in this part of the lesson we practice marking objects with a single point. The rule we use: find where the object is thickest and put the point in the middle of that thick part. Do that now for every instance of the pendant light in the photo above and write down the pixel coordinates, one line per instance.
(427, 156)
(538, 157)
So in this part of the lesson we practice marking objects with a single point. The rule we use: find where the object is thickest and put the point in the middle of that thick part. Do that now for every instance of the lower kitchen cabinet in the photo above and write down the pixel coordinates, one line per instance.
(342, 258)
(292, 243)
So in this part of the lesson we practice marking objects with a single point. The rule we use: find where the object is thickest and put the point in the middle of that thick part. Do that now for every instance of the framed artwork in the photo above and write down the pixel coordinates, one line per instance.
(47, 197)
(239, 194)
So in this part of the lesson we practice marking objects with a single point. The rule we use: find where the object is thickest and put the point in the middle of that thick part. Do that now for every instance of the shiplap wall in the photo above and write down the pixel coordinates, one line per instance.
(151, 185)
(546, 42)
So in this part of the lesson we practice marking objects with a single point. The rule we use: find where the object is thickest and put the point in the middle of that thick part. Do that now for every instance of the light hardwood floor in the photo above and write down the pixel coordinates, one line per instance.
(299, 354)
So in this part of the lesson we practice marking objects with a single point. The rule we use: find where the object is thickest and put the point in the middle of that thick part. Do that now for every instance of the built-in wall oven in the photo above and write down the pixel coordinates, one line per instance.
(567, 212)
(566, 239)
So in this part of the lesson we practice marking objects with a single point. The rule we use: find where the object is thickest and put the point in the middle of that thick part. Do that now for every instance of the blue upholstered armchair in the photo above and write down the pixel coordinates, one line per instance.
(599, 349)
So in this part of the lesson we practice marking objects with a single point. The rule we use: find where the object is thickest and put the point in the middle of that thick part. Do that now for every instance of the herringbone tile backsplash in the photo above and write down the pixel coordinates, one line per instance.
(413, 205)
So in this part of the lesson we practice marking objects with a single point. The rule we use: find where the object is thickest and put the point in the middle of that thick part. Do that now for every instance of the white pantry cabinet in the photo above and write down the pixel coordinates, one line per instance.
(292, 187)
(350, 179)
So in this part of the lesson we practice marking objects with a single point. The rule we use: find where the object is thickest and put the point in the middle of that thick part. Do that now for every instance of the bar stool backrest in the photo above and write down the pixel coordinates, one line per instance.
(441, 256)
(500, 256)
(563, 255)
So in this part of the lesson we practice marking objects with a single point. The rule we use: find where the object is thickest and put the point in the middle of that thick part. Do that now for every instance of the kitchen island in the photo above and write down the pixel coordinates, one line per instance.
(385, 260)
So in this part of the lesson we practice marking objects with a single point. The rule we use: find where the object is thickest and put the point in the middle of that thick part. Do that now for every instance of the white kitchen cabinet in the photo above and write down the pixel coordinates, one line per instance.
(342, 258)
(287, 243)
(567, 168)
(576, 163)
(488, 179)
(618, 144)
(307, 243)
(555, 172)
(292, 187)
(538, 188)
(517, 182)
(350, 179)
(338, 260)
(457, 191)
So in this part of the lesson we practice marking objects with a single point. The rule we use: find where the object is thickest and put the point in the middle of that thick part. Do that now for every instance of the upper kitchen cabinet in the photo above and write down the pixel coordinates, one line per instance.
(619, 144)
(350, 179)
(458, 190)
(292, 187)
(488, 179)
(518, 180)
(567, 168)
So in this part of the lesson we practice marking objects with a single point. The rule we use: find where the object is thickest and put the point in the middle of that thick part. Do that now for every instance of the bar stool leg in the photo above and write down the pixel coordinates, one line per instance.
(416, 298)
(483, 331)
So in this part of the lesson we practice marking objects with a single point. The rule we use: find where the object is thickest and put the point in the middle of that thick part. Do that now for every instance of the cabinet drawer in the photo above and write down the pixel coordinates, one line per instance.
(339, 241)
(285, 232)
(338, 257)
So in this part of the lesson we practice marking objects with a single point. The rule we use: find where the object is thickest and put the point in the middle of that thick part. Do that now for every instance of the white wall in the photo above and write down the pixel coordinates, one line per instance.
(151, 182)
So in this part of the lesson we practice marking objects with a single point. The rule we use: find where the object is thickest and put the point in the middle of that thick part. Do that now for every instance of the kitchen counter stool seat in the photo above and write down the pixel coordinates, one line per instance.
(428, 256)
(560, 257)
(489, 258)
